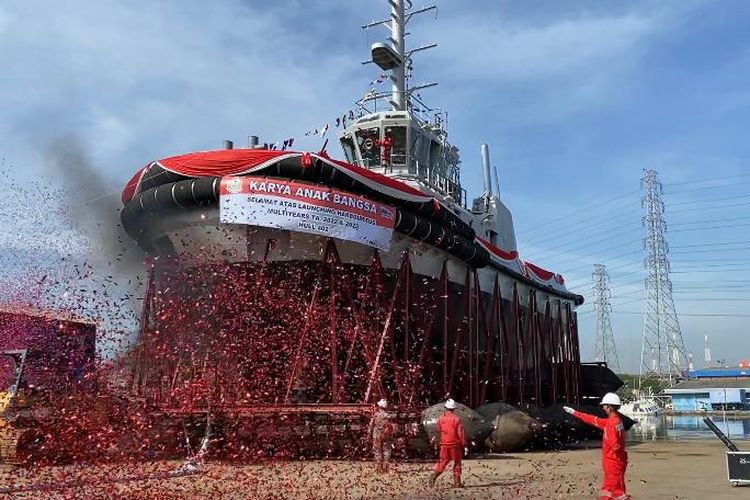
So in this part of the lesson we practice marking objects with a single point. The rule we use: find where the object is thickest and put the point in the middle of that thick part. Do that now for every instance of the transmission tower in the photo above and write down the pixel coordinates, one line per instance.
(605, 341)
(662, 353)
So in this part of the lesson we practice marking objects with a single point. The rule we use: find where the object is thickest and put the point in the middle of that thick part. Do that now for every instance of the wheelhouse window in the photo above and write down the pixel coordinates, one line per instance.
(369, 146)
(347, 144)
(398, 144)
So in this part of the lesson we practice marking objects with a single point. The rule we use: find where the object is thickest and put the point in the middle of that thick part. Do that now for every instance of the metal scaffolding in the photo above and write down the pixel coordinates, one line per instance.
(243, 339)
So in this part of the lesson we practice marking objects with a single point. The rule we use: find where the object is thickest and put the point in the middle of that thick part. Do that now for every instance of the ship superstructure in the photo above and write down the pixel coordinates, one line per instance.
(399, 135)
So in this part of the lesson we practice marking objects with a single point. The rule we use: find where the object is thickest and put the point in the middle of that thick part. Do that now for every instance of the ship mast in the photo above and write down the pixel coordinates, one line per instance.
(407, 141)
(398, 75)
(394, 57)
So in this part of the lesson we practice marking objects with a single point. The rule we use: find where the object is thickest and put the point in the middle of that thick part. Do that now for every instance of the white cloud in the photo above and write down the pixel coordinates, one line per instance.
(483, 49)
(142, 79)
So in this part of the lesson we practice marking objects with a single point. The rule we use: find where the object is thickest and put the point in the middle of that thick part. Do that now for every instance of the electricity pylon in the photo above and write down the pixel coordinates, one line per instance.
(663, 354)
(606, 350)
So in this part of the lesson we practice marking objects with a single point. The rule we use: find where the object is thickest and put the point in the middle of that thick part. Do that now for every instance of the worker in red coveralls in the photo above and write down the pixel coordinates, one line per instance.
(452, 443)
(381, 434)
(614, 456)
(386, 144)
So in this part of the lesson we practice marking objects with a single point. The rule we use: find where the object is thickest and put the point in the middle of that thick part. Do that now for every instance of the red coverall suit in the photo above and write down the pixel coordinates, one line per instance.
(452, 442)
(385, 152)
(614, 456)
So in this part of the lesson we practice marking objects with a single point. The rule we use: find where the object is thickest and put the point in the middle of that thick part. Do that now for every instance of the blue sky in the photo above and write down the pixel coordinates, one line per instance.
(575, 98)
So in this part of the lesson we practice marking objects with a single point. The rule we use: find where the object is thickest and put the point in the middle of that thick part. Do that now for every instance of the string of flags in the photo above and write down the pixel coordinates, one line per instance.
(276, 145)
(383, 77)
(339, 122)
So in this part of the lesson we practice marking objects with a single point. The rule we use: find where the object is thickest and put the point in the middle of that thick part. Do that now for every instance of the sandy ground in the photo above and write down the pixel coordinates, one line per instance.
(658, 470)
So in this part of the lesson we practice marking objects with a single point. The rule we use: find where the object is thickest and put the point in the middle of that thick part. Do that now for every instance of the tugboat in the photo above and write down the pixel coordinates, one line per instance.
(289, 282)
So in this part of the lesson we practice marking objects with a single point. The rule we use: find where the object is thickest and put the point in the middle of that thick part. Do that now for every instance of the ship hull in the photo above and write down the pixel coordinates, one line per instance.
(254, 315)
(413, 324)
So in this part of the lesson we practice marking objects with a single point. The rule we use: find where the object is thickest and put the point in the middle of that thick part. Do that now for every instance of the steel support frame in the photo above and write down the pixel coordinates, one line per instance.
(398, 347)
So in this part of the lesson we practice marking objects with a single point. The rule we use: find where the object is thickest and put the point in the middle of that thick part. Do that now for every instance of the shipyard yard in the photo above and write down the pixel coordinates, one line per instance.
(660, 469)
(240, 264)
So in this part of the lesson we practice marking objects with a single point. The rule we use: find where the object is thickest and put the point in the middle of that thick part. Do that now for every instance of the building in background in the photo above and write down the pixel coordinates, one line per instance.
(713, 389)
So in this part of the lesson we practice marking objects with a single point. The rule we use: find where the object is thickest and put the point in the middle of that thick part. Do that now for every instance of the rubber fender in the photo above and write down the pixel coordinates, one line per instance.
(204, 192)
(322, 172)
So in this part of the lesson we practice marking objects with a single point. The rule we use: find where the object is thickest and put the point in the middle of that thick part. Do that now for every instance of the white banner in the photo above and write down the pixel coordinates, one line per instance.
(307, 208)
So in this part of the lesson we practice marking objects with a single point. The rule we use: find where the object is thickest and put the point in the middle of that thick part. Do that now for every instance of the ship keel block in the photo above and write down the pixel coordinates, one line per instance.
(476, 427)
(512, 429)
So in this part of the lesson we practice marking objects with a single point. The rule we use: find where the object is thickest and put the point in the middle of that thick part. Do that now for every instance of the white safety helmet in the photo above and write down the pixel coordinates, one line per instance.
(611, 399)
(382, 403)
(450, 405)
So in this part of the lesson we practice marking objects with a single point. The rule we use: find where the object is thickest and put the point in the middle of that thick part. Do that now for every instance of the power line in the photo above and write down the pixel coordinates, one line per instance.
(586, 209)
(576, 237)
(708, 200)
(611, 258)
(576, 224)
(597, 254)
(591, 311)
(703, 188)
(588, 244)
(563, 249)
(702, 282)
(717, 315)
(711, 221)
(742, 249)
(698, 269)
(708, 228)
(702, 181)
(714, 207)
(743, 242)
(580, 282)
(560, 264)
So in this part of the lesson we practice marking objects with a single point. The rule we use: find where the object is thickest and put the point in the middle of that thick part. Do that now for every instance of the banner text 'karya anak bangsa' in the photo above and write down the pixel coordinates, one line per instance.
(307, 208)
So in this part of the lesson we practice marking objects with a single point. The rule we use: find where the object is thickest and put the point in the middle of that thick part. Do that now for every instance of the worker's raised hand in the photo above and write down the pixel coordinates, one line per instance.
(569, 409)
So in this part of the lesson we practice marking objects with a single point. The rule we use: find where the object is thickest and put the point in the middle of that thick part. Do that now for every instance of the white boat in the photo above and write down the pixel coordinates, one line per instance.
(647, 428)
(641, 408)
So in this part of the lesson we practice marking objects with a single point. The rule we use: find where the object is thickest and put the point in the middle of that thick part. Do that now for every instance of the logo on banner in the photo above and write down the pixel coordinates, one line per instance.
(386, 212)
(234, 186)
